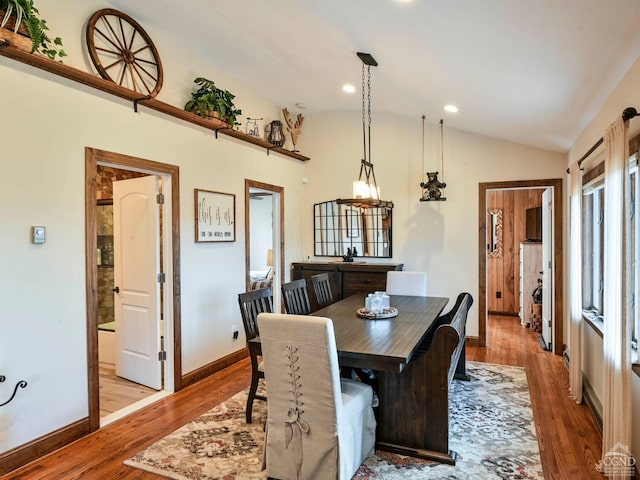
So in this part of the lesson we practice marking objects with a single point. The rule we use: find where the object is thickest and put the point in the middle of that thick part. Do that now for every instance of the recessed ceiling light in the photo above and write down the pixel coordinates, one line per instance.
(348, 88)
(451, 108)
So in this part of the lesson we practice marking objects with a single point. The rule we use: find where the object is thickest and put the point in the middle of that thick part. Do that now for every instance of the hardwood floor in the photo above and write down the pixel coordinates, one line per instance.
(117, 393)
(569, 438)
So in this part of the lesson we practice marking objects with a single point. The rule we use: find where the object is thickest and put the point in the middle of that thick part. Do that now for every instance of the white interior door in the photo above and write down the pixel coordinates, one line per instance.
(547, 267)
(137, 290)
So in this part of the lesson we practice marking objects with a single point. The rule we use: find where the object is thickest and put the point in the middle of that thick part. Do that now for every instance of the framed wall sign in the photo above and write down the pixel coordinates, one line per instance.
(215, 214)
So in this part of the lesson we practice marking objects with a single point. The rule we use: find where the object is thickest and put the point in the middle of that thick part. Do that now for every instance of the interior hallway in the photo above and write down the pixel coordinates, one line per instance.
(569, 438)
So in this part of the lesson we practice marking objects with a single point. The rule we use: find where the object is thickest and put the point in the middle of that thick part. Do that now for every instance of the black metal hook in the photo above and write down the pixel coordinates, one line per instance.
(20, 384)
(138, 100)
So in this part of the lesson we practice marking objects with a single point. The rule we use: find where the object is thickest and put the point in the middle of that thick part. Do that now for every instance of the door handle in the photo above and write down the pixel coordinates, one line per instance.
(116, 290)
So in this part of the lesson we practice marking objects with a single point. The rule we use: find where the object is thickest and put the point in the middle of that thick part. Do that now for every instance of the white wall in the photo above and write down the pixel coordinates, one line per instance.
(626, 94)
(261, 231)
(46, 124)
(440, 238)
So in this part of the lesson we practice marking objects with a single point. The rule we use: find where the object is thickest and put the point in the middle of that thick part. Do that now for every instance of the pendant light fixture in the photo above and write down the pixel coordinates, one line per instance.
(431, 186)
(366, 193)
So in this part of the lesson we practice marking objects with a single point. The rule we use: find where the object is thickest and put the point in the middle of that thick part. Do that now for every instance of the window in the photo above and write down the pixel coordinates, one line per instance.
(593, 247)
(635, 250)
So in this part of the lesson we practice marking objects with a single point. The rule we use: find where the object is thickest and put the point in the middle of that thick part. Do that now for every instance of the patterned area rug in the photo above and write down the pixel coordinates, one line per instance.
(491, 430)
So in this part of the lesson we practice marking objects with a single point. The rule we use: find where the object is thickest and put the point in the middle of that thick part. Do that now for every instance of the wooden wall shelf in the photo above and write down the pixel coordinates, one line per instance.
(88, 79)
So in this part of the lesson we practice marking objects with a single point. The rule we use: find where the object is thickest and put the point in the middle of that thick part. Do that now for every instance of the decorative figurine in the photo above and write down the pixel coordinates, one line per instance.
(295, 129)
(350, 254)
(252, 127)
(431, 188)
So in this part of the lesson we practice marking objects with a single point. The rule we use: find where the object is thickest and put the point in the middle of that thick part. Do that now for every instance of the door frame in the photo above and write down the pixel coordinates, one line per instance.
(558, 294)
(278, 216)
(170, 237)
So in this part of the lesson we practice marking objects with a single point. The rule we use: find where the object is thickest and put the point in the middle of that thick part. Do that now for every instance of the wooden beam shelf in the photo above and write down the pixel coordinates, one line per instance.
(7, 49)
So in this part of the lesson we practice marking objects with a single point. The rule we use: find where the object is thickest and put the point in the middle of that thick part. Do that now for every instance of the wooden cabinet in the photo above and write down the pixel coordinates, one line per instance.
(346, 278)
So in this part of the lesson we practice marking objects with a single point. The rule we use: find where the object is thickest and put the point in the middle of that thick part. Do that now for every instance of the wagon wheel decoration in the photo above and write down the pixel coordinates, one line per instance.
(123, 52)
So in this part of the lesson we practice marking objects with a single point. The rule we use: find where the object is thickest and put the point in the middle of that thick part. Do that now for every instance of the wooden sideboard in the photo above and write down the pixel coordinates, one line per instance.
(346, 278)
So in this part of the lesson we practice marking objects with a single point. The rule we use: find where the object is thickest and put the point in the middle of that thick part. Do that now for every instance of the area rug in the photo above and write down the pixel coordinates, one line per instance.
(491, 430)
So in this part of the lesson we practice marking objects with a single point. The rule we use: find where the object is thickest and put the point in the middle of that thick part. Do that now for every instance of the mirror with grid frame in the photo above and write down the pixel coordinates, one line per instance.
(340, 227)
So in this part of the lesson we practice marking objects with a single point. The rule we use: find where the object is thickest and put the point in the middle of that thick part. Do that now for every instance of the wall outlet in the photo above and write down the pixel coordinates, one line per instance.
(498, 294)
(234, 330)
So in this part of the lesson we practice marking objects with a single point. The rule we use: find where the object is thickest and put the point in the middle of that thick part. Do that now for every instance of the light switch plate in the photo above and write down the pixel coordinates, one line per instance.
(38, 234)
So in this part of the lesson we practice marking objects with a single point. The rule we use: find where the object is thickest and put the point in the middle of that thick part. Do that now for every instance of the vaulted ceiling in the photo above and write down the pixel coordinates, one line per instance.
(529, 71)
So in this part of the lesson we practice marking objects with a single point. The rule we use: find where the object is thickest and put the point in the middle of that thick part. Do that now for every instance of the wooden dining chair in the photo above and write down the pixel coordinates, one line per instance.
(296, 297)
(322, 289)
(251, 304)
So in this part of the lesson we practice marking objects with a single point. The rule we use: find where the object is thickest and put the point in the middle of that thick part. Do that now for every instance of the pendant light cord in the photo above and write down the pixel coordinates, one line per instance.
(369, 105)
(423, 170)
(442, 149)
(364, 131)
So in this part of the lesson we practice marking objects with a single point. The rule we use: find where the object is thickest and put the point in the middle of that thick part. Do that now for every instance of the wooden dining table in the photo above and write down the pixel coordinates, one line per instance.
(384, 344)
(411, 380)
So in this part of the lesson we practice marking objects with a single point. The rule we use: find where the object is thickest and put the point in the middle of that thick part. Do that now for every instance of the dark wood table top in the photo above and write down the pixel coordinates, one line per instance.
(385, 344)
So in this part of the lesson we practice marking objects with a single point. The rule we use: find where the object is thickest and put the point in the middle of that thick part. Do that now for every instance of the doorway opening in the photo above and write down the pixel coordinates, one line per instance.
(264, 238)
(487, 214)
(161, 326)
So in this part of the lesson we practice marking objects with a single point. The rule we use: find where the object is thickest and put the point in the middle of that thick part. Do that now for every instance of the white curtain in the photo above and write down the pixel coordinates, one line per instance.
(575, 284)
(617, 321)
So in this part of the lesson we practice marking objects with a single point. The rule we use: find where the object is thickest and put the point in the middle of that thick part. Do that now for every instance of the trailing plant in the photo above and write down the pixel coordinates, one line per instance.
(25, 13)
(209, 98)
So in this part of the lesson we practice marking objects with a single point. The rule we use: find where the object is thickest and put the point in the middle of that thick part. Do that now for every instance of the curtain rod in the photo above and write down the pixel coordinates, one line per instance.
(627, 114)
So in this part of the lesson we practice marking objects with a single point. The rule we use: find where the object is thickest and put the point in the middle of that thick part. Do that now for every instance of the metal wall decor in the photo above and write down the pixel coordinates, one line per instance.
(431, 186)
(123, 52)
(20, 384)
(252, 127)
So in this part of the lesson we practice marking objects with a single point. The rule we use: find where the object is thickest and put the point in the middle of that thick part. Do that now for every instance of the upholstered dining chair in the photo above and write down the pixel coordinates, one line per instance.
(407, 283)
(296, 297)
(322, 289)
(319, 425)
(251, 304)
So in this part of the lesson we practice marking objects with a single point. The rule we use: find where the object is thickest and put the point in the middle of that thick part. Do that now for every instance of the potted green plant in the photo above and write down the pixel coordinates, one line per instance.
(208, 100)
(23, 12)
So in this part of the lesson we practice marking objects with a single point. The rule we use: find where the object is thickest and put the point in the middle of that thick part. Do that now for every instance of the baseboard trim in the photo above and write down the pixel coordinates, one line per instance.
(590, 398)
(41, 446)
(588, 394)
(213, 367)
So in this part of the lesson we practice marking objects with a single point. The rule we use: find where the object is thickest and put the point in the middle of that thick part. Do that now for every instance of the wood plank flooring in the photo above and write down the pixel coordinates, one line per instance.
(117, 393)
(569, 438)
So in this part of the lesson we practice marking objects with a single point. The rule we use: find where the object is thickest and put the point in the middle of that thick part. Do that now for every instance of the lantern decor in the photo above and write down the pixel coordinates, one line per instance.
(276, 135)
(432, 187)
